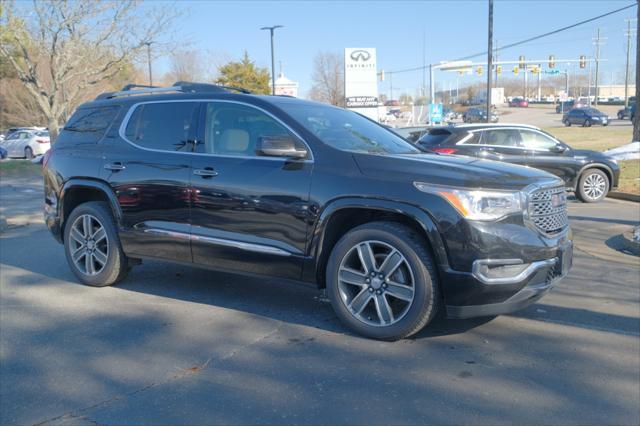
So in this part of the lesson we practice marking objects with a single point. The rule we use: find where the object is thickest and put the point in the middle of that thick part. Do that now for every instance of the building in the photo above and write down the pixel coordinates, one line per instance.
(286, 87)
(613, 90)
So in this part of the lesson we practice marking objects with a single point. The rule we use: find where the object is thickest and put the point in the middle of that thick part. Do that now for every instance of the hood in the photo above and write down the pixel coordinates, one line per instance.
(452, 170)
(588, 154)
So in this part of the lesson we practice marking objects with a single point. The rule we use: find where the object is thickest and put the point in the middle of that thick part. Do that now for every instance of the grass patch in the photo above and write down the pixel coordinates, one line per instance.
(597, 138)
(18, 167)
(629, 176)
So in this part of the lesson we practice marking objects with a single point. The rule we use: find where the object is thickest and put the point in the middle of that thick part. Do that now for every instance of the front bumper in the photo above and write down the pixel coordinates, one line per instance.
(505, 295)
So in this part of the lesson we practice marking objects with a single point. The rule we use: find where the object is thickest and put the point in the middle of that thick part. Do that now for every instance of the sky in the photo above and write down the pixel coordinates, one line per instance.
(452, 29)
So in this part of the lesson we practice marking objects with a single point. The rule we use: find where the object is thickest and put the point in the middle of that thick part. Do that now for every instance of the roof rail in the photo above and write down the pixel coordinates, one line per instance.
(178, 86)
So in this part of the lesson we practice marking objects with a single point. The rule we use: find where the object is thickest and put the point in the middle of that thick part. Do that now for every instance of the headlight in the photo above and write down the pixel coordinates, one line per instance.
(478, 204)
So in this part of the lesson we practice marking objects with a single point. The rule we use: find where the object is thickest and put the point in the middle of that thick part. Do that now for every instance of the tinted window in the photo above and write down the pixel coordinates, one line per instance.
(347, 130)
(501, 137)
(234, 129)
(87, 125)
(435, 137)
(44, 134)
(166, 125)
(535, 140)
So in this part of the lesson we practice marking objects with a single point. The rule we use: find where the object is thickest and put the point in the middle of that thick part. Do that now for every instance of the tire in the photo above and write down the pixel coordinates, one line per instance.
(567, 123)
(108, 263)
(593, 186)
(620, 117)
(587, 123)
(416, 272)
(28, 153)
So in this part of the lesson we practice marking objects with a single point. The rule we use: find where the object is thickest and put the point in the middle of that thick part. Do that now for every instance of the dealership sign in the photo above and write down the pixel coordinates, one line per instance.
(360, 81)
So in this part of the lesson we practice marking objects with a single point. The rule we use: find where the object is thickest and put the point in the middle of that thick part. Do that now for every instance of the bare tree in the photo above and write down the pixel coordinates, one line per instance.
(185, 65)
(328, 78)
(62, 49)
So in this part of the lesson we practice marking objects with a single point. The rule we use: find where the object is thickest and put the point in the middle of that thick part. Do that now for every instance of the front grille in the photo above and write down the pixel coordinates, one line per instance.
(548, 209)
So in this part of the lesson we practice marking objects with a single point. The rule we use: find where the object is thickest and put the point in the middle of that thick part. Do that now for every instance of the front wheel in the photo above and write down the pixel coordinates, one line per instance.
(92, 245)
(567, 123)
(587, 123)
(593, 186)
(382, 281)
(620, 117)
(28, 153)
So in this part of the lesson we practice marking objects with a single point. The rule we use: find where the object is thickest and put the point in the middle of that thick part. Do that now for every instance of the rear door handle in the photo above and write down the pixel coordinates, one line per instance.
(115, 167)
(207, 172)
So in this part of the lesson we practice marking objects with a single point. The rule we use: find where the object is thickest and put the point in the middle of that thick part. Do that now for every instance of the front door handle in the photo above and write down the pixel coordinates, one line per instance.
(114, 167)
(206, 173)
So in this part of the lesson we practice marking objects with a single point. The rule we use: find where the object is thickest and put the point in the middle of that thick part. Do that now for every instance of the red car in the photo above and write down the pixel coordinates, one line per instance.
(518, 103)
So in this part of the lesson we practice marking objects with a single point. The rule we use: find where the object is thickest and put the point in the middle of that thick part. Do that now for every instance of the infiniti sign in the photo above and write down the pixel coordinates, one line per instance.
(360, 55)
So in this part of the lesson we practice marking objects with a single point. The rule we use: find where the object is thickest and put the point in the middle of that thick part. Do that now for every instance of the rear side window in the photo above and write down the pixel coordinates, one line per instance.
(168, 126)
(434, 137)
(88, 125)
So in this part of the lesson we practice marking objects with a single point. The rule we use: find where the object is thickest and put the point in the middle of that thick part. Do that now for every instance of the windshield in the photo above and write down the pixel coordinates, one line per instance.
(591, 111)
(347, 130)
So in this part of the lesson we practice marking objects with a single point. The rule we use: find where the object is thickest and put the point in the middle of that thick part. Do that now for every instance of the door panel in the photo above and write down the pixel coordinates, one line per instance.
(249, 212)
(151, 179)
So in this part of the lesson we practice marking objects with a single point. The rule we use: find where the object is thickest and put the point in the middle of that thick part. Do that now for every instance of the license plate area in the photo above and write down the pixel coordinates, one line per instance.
(565, 259)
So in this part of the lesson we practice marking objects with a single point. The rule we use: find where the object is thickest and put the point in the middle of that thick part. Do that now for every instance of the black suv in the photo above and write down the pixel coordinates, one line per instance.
(478, 115)
(590, 174)
(282, 187)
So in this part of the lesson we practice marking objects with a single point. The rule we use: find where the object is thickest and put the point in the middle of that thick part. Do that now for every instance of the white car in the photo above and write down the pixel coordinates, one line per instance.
(27, 143)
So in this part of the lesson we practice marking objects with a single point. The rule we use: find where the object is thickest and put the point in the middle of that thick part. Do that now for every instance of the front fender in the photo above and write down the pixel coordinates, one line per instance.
(418, 215)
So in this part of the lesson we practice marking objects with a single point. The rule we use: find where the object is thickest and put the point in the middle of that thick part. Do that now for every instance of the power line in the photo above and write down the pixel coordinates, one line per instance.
(518, 43)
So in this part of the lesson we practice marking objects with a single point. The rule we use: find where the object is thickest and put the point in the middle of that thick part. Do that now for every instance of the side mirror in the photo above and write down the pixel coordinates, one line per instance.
(558, 149)
(279, 146)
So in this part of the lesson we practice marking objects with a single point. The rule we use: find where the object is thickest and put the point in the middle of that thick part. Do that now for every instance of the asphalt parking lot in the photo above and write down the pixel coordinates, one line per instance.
(174, 345)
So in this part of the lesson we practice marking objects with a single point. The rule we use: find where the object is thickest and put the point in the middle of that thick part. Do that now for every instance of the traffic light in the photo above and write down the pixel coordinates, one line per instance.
(522, 64)
(479, 70)
(583, 61)
(381, 75)
(516, 70)
(552, 61)
(499, 69)
(536, 70)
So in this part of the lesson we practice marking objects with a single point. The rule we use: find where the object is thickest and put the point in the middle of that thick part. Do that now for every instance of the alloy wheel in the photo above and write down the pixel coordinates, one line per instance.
(89, 245)
(376, 283)
(594, 186)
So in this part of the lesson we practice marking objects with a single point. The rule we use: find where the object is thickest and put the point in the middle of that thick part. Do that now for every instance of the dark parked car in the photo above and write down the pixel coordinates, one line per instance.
(585, 117)
(3, 153)
(478, 115)
(590, 174)
(624, 112)
(632, 111)
(518, 103)
(278, 186)
(412, 134)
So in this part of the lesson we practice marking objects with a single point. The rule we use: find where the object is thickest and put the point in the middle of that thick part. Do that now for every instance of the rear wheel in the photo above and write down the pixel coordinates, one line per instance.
(28, 153)
(92, 245)
(381, 281)
(593, 186)
(567, 123)
(620, 117)
(587, 123)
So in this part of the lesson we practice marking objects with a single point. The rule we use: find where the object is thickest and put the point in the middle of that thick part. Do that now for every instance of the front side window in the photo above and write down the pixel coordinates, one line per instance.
(501, 137)
(166, 126)
(236, 129)
(537, 141)
(347, 131)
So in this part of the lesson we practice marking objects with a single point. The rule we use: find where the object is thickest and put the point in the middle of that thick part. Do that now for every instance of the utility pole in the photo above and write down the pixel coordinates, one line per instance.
(390, 85)
(626, 69)
(273, 66)
(598, 42)
(432, 92)
(495, 57)
(424, 62)
(489, 60)
(148, 44)
(539, 95)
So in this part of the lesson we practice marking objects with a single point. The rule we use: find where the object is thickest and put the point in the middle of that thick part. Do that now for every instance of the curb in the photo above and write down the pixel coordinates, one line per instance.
(627, 196)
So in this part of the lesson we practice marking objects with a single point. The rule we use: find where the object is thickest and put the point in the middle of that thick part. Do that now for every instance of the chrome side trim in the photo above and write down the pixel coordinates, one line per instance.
(127, 117)
(256, 248)
(476, 270)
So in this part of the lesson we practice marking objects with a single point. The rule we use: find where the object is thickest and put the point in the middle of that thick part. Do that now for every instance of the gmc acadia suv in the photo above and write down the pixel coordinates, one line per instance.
(277, 186)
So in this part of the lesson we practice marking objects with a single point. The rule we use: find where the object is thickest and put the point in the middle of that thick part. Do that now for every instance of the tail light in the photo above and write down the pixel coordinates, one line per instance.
(39, 140)
(445, 150)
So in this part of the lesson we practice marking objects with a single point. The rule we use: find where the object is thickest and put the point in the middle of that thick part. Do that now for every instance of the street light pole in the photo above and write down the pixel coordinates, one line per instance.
(148, 44)
(273, 66)
(489, 60)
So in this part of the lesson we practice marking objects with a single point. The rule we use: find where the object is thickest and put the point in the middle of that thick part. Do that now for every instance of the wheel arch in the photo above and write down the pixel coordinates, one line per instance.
(77, 191)
(600, 166)
(345, 214)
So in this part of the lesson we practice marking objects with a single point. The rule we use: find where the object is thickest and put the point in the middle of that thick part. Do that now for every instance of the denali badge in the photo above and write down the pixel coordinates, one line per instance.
(558, 200)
